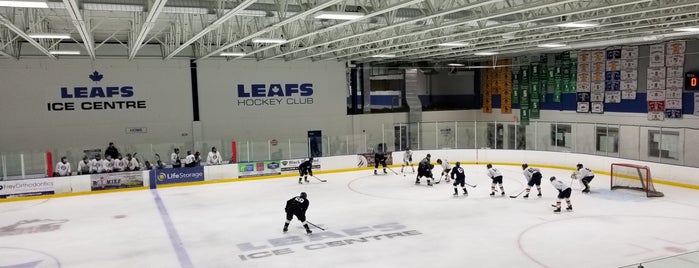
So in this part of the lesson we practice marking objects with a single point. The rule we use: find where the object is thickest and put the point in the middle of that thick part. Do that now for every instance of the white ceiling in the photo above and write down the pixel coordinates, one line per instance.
(409, 29)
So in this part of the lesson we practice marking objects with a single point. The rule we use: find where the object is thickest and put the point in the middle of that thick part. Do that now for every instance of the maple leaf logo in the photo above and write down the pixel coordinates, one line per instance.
(96, 76)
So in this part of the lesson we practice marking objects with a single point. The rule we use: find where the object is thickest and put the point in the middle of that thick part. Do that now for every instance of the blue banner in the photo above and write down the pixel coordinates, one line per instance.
(178, 175)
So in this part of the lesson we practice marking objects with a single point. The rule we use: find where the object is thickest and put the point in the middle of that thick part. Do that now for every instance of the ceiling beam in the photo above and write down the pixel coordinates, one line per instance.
(323, 30)
(148, 24)
(7, 23)
(271, 27)
(85, 34)
(230, 14)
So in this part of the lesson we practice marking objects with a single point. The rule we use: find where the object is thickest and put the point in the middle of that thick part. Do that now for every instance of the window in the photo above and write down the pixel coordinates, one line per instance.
(607, 139)
(663, 144)
(517, 135)
(561, 135)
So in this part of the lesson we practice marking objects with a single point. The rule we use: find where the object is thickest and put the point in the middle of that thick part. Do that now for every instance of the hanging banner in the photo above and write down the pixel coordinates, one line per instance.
(657, 55)
(696, 103)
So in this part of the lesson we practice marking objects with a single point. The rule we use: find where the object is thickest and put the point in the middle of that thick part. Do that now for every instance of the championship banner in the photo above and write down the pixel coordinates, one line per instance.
(535, 110)
(368, 160)
(178, 175)
(674, 61)
(104, 181)
(260, 168)
(29, 187)
(597, 107)
(629, 72)
(292, 165)
(657, 55)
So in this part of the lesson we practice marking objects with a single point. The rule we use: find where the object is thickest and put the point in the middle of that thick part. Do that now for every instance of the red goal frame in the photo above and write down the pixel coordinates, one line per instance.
(648, 179)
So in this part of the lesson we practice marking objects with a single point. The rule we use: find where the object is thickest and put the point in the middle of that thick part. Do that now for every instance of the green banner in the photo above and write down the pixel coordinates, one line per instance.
(515, 86)
(556, 96)
(524, 117)
(534, 111)
(524, 97)
(543, 88)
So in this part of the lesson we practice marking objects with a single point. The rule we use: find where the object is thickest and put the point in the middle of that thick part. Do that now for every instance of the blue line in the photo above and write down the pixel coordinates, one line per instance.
(182, 256)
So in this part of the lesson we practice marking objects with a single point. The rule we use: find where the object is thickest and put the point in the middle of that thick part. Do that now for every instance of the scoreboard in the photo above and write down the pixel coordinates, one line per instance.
(691, 82)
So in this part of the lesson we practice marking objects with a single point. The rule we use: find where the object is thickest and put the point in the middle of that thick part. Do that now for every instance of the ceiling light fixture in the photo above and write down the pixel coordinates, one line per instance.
(27, 4)
(579, 24)
(687, 29)
(269, 40)
(49, 35)
(485, 53)
(232, 54)
(112, 7)
(551, 45)
(453, 44)
(384, 56)
(65, 52)
(334, 15)
(455, 65)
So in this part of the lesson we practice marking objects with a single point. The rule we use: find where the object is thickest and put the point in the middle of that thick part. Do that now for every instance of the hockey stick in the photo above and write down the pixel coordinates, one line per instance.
(515, 196)
(474, 186)
(394, 172)
(157, 155)
(316, 226)
(321, 180)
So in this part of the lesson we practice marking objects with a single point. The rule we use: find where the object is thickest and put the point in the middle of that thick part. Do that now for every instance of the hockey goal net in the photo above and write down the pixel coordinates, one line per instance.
(636, 177)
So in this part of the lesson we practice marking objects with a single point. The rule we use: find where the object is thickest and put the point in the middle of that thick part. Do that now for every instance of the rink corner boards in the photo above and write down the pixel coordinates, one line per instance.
(25, 198)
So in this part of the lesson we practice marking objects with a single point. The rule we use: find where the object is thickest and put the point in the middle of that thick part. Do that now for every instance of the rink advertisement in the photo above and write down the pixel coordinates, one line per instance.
(261, 168)
(368, 160)
(347, 236)
(292, 165)
(31, 187)
(104, 181)
(178, 175)
(96, 96)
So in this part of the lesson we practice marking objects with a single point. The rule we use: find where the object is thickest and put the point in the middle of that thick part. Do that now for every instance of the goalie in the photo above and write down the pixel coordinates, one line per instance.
(585, 175)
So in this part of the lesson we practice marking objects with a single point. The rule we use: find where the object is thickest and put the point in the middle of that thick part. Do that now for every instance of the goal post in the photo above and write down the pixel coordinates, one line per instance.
(635, 177)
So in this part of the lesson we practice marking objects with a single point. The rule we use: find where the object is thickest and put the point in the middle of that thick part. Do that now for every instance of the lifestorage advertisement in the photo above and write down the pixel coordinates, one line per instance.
(116, 180)
(178, 175)
(26, 187)
(259, 168)
(292, 165)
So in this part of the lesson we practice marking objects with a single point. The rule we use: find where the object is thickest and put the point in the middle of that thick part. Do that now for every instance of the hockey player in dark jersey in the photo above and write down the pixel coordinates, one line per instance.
(457, 173)
(297, 206)
(305, 169)
(380, 158)
(424, 169)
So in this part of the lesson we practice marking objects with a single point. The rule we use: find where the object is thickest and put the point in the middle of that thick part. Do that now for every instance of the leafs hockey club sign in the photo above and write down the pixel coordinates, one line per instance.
(275, 94)
(96, 97)
(290, 244)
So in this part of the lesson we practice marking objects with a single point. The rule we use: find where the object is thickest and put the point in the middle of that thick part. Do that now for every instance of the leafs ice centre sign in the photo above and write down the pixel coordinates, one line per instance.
(96, 96)
(275, 94)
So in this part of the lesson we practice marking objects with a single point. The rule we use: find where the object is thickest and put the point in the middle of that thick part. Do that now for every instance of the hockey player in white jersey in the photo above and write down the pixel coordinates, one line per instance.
(496, 176)
(533, 176)
(96, 165)
(84, 166)
(446, 168)
(107, 164)
(214, 157)
(119, 164)
(407, 160)
(585, 175)
(131, 163)
(63, 167)
(563, 193)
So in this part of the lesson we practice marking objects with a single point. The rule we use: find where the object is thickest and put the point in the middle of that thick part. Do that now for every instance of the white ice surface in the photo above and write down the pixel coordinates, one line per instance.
(404, 225)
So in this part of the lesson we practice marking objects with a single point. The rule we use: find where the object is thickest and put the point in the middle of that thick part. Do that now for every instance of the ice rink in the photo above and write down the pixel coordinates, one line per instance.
(371, 221)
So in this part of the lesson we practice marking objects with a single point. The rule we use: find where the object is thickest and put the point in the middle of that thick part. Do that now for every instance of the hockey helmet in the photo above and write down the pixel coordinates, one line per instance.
(579, 166)
(458, 164)
(310, 159)
(552, 178)
(488, 166)
(525, 166)
(439, 161)
(303, 195)
(428, 156)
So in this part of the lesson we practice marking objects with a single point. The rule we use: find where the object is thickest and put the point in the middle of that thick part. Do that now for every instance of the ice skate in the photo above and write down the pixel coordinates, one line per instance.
(456, 194)
(526, 196)
(309, 232)
(307, 181)
(503, 193)
(285, 230)
(375, 173)
(465, 193)
(492, 193)
(538, 195)
(384, 171)
(569, 208)
(557, 210)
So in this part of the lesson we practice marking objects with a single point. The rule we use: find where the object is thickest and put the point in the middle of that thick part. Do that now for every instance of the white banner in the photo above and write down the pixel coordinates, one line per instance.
(628, 94)
(583, 107)
(583, 87)
(597, 96)
(30, 187)
(656, 116)
(656, 84)
(655, 95)
(613, 65)
(673, 103)
(629, 74)
(675, 83)
(612, 97)
(630, 52)
(676, 47)
(673, 93)
(656, 73)
(657, 55)
(674, 60)
(583, 57)
(629, 84)
(599, 56)
(597, 87)
(583, 68)
(629, 64)
(583, 77)
(597, 107)
(675, 72)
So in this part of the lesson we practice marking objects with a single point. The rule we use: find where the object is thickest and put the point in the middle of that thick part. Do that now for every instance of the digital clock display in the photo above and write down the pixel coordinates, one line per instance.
(691, 82)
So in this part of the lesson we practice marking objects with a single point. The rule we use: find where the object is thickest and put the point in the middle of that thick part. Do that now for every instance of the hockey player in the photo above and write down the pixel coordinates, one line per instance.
(84, 166)
(305, 169)
(459, 178)
(424, 169)
(132, 163)
(297, 206)
(214, 157)
(445, 169)
(563, 192)
(190, 160)
(533, 176)
(585, 175)
(175, 158)
(407, 160)
(63, 167)
(380, 158)
(107, 164)
(96, 165)
(496, 176)
(119, 164)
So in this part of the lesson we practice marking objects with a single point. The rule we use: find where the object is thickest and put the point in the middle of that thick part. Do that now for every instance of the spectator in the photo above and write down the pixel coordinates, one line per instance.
(190, 160)
(63, 168)
(111, 151)
(175, 159)
(214, 157)
(84, 166)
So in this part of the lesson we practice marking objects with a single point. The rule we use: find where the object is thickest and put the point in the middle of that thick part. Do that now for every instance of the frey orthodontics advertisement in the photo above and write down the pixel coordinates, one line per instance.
(105, 181)
(178, 175)
(26, 188)
(262, 168)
